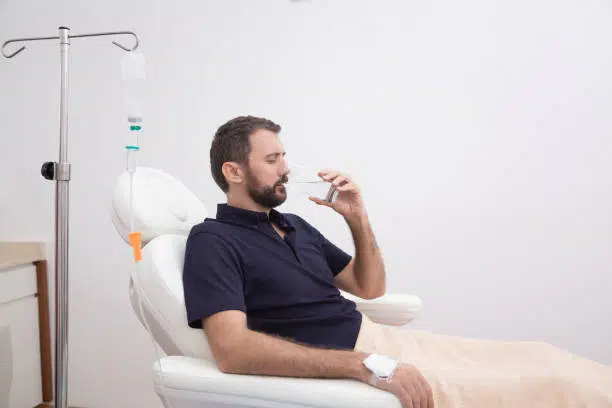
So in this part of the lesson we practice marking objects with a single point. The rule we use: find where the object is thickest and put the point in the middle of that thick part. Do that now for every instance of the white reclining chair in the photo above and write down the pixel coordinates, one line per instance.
(164, 211)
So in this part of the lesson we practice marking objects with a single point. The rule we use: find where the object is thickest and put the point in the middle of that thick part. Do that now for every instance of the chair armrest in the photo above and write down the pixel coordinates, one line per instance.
(200, 381)
(393, 309)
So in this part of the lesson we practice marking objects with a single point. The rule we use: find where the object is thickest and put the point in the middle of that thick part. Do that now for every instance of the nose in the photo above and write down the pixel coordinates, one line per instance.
(286, 167)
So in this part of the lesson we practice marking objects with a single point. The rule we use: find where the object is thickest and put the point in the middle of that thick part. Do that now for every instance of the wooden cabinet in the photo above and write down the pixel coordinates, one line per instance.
(25, 349)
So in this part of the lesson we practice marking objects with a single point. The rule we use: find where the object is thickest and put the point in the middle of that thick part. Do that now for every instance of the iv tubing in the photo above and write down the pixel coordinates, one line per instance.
(136, 244)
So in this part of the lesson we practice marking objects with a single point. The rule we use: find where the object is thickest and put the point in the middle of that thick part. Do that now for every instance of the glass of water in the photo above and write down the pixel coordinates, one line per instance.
(305, 181)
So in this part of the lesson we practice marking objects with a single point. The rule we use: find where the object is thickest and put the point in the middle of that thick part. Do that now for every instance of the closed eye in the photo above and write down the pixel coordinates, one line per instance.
(273, 157)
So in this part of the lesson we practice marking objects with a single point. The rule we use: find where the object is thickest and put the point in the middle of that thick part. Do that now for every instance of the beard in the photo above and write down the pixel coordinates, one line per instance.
(267, 196)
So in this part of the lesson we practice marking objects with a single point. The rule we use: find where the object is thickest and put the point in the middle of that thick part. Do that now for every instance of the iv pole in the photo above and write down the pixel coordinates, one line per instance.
(60, 172)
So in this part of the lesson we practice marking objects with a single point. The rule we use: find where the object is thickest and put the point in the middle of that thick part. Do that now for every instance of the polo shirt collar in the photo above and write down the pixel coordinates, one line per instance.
(226, 212)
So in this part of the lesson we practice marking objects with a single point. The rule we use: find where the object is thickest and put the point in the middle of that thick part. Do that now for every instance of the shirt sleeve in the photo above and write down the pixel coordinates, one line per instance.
(213, 279)
(336, 258)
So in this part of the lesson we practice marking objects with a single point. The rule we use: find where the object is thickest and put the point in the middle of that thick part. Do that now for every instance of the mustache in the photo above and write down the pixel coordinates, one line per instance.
(282, 180)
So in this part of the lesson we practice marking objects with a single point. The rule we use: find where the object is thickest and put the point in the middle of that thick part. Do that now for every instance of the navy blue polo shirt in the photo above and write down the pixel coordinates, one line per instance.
(285, 286)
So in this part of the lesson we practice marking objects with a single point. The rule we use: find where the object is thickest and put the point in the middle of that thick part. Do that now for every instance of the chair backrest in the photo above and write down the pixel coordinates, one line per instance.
(164, 210)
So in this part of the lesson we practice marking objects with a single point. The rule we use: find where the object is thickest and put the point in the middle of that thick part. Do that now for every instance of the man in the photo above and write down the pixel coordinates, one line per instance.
(265, 288)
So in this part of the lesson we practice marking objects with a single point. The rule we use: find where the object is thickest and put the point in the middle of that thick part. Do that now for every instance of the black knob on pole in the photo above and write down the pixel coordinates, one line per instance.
(48, 170)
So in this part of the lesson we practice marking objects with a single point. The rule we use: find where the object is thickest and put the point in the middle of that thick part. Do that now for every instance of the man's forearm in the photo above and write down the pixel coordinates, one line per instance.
(369, 265)
(262, 354)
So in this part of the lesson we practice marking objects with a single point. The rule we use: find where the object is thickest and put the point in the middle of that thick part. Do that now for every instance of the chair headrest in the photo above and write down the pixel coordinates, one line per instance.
(160, 204)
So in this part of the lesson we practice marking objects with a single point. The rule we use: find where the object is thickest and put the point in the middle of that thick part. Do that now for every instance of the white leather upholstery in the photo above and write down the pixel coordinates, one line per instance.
(159, 281)
(161, 205)
(197, 383)
(165, 210)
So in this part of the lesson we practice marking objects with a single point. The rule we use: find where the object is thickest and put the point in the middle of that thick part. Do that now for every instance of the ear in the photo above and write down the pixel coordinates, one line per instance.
(233, 172)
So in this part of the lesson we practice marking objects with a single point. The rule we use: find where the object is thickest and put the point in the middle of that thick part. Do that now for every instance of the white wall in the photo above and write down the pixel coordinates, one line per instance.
(479, 132)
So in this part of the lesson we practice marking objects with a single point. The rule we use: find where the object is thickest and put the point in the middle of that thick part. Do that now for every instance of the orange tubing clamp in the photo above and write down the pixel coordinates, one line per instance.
(135, 242)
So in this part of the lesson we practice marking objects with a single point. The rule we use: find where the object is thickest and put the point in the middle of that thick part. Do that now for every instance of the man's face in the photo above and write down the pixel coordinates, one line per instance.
(267, 169)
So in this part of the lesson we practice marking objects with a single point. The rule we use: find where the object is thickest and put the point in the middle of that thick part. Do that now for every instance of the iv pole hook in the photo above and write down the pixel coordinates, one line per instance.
(22, 40)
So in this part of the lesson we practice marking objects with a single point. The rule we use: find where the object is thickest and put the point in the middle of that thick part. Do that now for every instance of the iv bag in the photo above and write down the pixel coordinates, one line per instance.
(133, 74)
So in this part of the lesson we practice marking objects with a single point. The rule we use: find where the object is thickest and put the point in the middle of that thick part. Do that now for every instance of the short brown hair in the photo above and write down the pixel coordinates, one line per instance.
(231, 143)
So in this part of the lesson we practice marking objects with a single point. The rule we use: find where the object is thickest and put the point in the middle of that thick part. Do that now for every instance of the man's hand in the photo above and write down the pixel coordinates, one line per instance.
(409, 386)
(349, 203)
(364, 276)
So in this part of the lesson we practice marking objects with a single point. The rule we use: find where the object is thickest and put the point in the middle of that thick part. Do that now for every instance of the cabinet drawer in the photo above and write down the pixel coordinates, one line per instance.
(17, 282)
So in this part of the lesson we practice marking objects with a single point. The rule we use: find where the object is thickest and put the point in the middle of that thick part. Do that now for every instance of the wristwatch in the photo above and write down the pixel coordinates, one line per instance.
(382, 367)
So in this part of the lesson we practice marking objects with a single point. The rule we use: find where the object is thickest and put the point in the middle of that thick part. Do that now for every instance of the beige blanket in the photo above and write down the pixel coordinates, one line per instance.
(470, 373)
